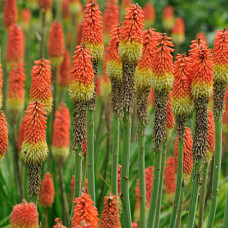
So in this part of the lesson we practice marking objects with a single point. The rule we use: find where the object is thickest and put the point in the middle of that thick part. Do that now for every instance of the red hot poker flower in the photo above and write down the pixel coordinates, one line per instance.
(72, 188)
(64, 70)
(178, 32)
(10, 13)
(202, 36)
(58, 224)
(3, 135)
(24, 215)
(150, 15)
(84, 210)
(45, 4)
(25, 19)
(168, 18)
(47, 194)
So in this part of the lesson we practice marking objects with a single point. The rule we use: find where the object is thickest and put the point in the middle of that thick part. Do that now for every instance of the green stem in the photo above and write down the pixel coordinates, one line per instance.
(217, 168)
(142, 187)
(194, 196)
(155, 189)
(180, 208)
(158, 209)
(178, 182)
(203, 195)
(225, 219)
(125, 170)
(84, 171)
(46, 217)
(115, 155)
(90, 153)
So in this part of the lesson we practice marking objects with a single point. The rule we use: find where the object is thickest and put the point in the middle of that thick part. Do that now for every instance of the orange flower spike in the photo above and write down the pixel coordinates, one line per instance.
(170, 185)
(131, 35)
(202, 36)
(143, 75)
(64, 70)
(3, 135)
(10, 13)
(15, 45)
(168, 18)
(187, 156)
(45, 4)
(16, 92)
(110, 217)
(92, 35)
(41, 84)
(24, 215)
(25, 19)
(20, 137)
(182, 104)
(47, 193)
(84, 210)
(162, 63)
(56, 43)
(61, 134)
(170, 120)
(81, 85)
(178, 31)
(149, 15)
(66, 10)
(210, 136)
(58, 224)
(111, 18)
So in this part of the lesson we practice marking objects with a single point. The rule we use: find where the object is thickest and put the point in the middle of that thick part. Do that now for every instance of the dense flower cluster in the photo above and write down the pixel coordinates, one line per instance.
(64, 70)
(178, 31)
(168, 18)
(149, 15)
(58, 224)
(10, 13)
(3, 135)
(45, 4)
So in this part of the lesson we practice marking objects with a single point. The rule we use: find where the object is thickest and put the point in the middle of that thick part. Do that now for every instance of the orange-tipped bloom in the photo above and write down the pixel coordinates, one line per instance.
(92, 35)
(170, 185)
(168, 18)
(210, 136)
(182, 104)
(143, 75)
(16, 92)
(111, 18)
(34, 148)
(131, 35)
(110, 217)
(81, 85)
(170, 120)
(24, 215)
(178, 31)
(187, 156)
(47, 194)
(162, 64)
(3, 135)
(45, 4)
(25, 19)
(135, 225)
(15, 45)
(20, 137)
(56, 43)
(66, 9)
(220, 57)
(202, 36)
(58, 224)
(10, 12)
(149, 15)
(84, 211)
(41, 84)
(61, 134)
(64, 70)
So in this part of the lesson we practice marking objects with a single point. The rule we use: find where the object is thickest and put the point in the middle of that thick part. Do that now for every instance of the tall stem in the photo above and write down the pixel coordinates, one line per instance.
(43, 14)
(125, 169)
(178, 182)
(225, 219)
(46, 217)
(90, 153)
(84, 171)
(158, 209)
(217, 168)
(203, 195)
(155, 189)
(180, 208)
(142, 187)
(115, 155)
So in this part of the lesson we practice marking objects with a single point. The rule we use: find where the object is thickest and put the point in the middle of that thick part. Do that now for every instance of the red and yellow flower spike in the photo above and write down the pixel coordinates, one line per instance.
(64, 70)
(168, 18)
(170, 120)
(110, 217)
(84, 211)
(66, 10)
(178, 31)
(162, 63)
(15, 45)
(92, 35)
(111, 18)
(24, 215)
(45, 4)
(25, 19)
(61, 134)
(56, 43)
(202, 36)
(16, 92)
(10, 13)
(187, 156)
(81, 85)
(3, 135)
(41, 84)
(20, 137)
(47, 193)
(210, 136)
(149, 15)
(131, 35)
(59, 224)
(143, 74)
